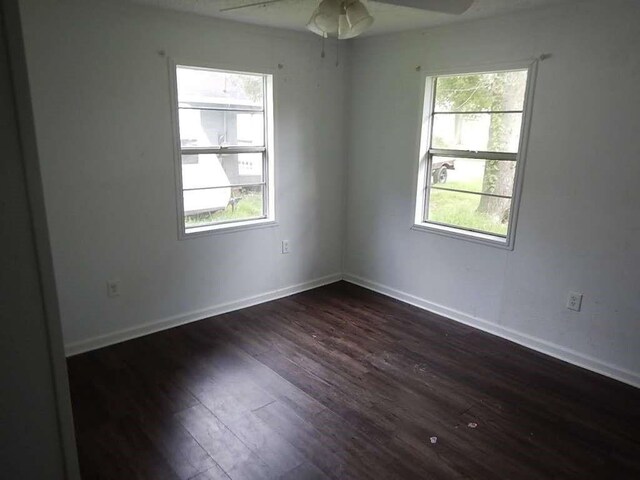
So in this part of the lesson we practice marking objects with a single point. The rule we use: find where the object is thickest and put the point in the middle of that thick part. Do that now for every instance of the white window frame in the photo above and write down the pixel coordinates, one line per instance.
(425, 154)
(269, 205)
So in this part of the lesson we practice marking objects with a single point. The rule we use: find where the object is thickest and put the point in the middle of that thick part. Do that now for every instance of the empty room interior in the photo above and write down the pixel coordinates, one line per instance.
(320, 239)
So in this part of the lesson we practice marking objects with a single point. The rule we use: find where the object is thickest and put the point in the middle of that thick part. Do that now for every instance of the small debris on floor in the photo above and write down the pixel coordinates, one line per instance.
(472, 425)
(434, 440)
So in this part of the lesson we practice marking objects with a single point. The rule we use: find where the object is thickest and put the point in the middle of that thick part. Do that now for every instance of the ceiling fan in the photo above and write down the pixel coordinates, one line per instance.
(344, 19)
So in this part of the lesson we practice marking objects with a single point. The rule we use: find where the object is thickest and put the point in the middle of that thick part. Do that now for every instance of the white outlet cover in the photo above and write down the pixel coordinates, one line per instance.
(285, 246)
(574, 301)
(113, 288)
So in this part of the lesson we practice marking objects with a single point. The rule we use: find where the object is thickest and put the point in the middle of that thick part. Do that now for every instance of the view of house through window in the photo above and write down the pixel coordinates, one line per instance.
(471, 139)
(224, 130)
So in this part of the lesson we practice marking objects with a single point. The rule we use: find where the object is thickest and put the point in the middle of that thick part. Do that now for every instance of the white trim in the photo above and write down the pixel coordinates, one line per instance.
(424, 159)
(487, 67)
(468, 236)
(269, 162)
(523, 151)
(196, 232)
(548, 348)
(181, 319)
(537, 344)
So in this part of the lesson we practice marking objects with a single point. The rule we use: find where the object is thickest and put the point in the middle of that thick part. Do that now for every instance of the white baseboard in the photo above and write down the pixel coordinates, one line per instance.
(176, 320)
(548, 348)
(543, 346)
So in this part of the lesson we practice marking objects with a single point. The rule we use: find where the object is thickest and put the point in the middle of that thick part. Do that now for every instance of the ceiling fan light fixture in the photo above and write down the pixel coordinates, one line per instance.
(311, 25)
(344, 29)
(325, 18)
(358, 17)
(343, 19)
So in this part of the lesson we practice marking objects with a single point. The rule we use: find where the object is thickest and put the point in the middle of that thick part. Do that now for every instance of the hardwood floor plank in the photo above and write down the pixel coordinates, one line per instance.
(235, 458)
(277, 452)
(314, 445)
(343, 383)
(215, 473)
(180, 450)
(120, 449)
(304, 471)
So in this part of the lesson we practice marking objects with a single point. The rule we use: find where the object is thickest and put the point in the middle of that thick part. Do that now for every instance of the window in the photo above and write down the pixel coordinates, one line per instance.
(470, 154)
(224, 148)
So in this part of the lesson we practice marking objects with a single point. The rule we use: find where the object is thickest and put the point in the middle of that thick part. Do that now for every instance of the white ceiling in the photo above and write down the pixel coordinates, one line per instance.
(294, 14)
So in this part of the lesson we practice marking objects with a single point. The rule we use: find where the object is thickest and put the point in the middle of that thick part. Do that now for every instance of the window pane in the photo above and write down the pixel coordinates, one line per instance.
(209, 88)
(470, 211)
(489, 132)
(221, 170)
(475, 175)
(481, 92)
(215, 205)
(213, 128)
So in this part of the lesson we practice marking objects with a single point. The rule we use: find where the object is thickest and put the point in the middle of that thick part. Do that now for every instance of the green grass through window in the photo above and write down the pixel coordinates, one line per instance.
(460, 209)
(247, 207)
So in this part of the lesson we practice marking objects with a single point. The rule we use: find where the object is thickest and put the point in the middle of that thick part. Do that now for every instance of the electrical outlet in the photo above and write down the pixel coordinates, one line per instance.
(113, 288)
(285, 246)
(574, 301)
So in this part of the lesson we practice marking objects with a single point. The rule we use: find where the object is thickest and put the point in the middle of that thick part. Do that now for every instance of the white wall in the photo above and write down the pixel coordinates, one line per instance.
(579, 224)
(36, 427)
(102, 108)
(101, 98)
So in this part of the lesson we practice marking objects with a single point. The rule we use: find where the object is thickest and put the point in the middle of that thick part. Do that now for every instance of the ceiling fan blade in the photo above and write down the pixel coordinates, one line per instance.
(247, 5)
(455, 7)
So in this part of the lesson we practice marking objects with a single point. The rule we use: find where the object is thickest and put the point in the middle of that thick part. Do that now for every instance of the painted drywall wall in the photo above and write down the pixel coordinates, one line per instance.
(579, 226)
(102, 108)
(100, 86)
(35, 410)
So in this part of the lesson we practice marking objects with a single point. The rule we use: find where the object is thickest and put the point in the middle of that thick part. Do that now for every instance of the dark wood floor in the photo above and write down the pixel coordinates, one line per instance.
(342, 383)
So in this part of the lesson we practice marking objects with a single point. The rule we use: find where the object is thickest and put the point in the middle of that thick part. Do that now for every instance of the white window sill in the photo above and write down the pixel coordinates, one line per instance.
(227, 228)
(475, 237)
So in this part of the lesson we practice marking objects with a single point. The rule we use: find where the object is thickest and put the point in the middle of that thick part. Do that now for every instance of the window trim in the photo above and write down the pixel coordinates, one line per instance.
(427, 91)
(269, 164)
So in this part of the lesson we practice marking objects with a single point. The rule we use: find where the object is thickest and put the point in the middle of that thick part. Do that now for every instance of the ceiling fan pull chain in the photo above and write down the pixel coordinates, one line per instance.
(337, 53)
(322, 54)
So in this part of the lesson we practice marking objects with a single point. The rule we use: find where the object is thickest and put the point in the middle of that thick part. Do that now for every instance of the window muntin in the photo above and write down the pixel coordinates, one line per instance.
(225, 128)
(471, 137)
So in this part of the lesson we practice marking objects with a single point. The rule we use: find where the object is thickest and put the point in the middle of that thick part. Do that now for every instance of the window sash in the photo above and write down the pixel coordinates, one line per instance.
(222, 222)
(466, 229)
(473, 154)
(426, 152)
(451, 153)
(476, 112)
(436, 79)
(227, 222)
(223, 109)
(267, 183)
(444, 189)
(264, 184)
(428, 186)
(265, 207)
(221, 150)
(234, 185)
(435, 117)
